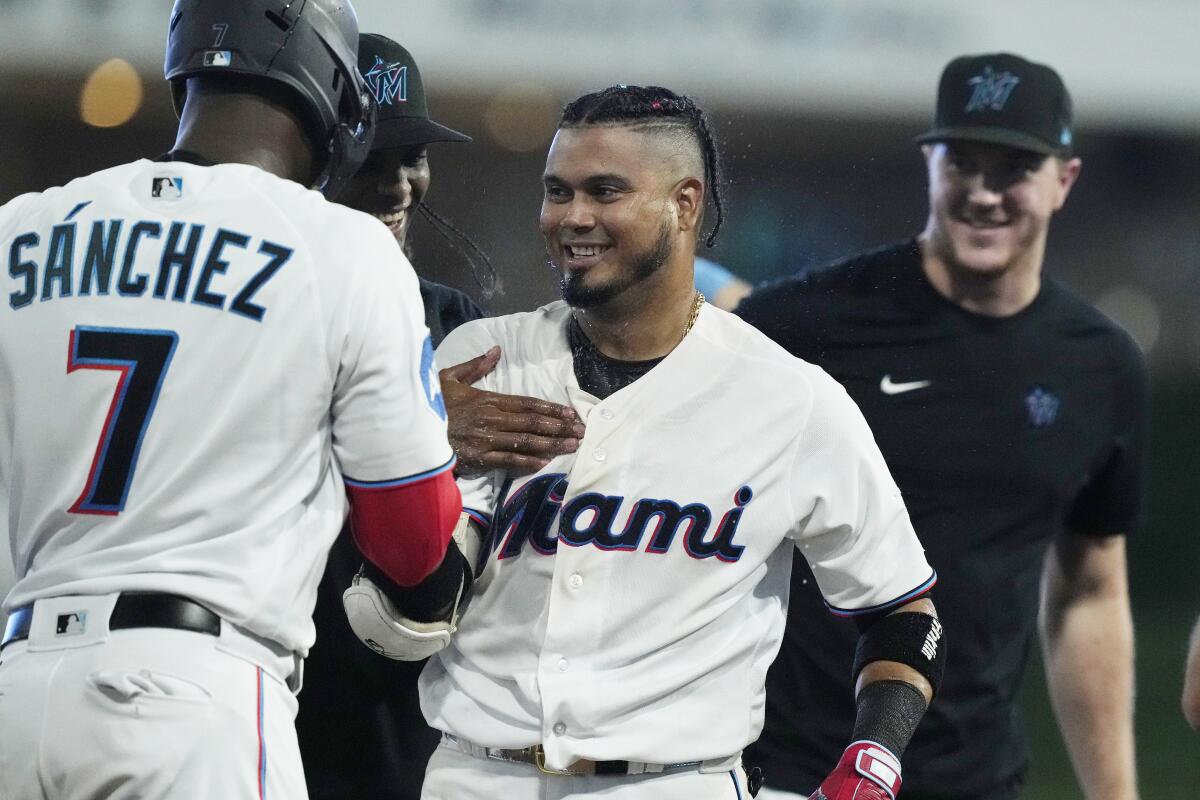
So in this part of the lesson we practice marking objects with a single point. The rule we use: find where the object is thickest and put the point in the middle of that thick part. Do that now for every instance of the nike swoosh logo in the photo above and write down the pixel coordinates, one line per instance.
(887, 386)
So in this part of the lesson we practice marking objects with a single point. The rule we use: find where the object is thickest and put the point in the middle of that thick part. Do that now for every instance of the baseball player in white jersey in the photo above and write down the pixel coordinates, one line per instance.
(200, 359)
(633, 593)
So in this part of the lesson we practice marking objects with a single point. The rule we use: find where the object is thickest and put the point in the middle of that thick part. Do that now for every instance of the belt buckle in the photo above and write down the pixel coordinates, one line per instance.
(539, 761)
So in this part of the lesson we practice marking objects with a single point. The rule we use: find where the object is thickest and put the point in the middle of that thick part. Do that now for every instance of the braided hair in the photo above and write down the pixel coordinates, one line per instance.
(654, 107)
(481, 266)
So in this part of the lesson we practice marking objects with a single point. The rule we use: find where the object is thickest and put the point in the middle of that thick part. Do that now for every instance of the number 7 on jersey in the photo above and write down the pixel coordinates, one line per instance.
(141, 357)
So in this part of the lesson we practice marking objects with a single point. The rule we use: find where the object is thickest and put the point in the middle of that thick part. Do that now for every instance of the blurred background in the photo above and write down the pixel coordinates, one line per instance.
(816, 103)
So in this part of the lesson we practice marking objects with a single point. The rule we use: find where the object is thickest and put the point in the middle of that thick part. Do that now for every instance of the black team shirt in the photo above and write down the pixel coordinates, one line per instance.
(1001, 433)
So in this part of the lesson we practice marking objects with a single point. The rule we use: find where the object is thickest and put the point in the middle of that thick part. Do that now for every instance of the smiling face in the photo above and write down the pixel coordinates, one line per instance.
(389, 186)
(612, 213)
(990, 205)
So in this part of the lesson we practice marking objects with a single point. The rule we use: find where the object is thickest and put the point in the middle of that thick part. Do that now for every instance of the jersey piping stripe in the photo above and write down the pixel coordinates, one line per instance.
(904, 598)
(483, 519)
(394, 482)
(736, 788)
(262, 746)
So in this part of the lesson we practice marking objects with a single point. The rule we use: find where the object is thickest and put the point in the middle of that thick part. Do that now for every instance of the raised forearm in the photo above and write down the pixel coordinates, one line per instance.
(1191, 681)
(1087, 637)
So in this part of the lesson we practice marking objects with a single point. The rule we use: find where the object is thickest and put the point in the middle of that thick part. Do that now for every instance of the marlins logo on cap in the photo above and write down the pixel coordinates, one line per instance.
(991, 90)
(388, 82)
(1003, 99)
(393, 78)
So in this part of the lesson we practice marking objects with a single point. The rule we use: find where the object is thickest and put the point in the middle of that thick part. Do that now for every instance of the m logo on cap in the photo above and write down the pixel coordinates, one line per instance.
(991, 90)
(387, 82)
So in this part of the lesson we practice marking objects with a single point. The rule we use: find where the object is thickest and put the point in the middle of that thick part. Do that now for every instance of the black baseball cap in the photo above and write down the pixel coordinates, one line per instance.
(394, 80)
(1001, 98)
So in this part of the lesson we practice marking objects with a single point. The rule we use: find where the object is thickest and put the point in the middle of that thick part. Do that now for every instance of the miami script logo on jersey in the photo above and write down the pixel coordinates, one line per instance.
(991, 90)
(537, 516)
(388, 82)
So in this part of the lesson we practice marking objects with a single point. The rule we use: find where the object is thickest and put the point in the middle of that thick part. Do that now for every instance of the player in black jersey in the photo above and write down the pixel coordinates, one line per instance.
(1012, 415)
(360, 726)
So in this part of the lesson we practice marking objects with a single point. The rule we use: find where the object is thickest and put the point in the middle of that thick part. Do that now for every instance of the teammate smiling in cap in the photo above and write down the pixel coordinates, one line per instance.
(1012, 416)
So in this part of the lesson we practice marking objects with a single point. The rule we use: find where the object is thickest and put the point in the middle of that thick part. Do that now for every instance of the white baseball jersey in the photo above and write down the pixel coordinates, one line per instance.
(191, 359)
(636, 590)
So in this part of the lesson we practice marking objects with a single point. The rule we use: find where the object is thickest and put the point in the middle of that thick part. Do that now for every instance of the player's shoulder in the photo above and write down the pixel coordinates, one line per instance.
(316, 216)
(1071, 316)
(523, 336)
(1071, 313)
(868, 272)
(797, 309)
(53, 199)
(745, 348)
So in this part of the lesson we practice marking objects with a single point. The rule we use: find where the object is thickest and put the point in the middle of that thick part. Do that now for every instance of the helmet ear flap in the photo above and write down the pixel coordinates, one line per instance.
(349, 147)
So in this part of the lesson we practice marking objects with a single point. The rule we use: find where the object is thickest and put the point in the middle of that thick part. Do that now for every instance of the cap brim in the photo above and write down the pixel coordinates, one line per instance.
(1002, 136)
(408, 131)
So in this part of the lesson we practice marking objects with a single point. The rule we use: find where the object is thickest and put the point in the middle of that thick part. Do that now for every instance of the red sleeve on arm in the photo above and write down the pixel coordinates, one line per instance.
(404, 530)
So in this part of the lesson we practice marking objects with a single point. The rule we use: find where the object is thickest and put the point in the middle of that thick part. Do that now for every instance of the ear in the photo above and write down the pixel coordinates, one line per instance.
(1068, 173)
(688, 198)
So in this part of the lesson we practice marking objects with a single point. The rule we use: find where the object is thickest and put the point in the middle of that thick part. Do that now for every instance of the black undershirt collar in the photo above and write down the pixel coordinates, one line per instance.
(598, 374)
(188, 156)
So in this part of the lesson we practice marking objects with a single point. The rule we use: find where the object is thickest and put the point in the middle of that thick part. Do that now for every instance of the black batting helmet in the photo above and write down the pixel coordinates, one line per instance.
(309, 46)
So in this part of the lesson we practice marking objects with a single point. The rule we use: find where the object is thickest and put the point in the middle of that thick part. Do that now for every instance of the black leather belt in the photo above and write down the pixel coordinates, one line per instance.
(134, 610)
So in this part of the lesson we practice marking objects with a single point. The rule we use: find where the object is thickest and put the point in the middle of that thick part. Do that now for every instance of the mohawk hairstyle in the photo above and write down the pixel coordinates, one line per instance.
(654, 107)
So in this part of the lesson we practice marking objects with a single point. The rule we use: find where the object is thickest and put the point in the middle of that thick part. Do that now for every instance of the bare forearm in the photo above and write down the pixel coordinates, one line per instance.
(1088, 646)
(1191, 681)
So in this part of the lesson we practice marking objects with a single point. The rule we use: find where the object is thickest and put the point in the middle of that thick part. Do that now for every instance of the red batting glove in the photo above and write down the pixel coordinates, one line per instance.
(867, 771)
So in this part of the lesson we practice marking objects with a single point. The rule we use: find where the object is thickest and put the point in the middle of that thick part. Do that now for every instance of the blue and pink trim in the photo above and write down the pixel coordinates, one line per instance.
(478, 517)
(899, 601)
(262, 743)
(394, 483)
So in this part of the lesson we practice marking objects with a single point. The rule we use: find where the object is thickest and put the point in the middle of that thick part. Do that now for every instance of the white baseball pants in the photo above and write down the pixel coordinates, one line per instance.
(143, 714)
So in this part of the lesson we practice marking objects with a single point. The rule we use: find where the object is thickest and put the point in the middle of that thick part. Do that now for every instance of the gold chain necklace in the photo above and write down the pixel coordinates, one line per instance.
(699, 301)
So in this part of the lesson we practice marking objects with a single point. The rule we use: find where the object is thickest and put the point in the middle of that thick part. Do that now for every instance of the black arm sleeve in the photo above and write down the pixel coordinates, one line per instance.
(432, 599)
(888, 713)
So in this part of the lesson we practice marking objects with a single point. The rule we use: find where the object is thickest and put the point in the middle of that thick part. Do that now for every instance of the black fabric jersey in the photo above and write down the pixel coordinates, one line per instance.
(1000, 432)
(361, 731)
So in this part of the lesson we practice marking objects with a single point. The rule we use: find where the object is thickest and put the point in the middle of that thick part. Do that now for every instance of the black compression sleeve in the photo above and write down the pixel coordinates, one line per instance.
(888, 713)
(432, 599)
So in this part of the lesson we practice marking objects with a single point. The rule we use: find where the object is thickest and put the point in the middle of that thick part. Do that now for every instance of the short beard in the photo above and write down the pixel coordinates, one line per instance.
(578, 295)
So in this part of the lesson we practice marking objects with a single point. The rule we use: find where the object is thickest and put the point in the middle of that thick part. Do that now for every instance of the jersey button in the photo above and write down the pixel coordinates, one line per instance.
(563, 665)
(559, 728)
(575, 581)
(606, 413)
(600, 454)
